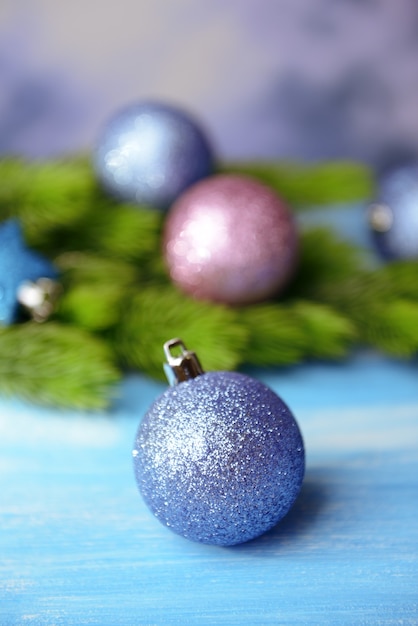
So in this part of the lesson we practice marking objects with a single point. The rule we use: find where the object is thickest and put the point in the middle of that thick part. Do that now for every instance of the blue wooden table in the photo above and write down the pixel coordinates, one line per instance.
(78, 546)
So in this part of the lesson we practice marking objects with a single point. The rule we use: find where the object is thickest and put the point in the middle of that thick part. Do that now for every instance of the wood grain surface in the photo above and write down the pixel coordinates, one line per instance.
(78, 546)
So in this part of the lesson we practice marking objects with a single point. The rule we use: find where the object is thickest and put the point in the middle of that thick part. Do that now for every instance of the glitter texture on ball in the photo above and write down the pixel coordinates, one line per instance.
(230, 239)
(394, 217)
(149, 153)
(219, 459)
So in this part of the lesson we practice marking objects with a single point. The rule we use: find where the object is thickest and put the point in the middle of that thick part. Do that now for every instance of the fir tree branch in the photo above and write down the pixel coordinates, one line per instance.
(289, 332)
(122, 307)
(96, 308)
(311, 184)
(61, 208)
(56, 365)
(324, 260)
(327, 334)
(275, 336)
(97, 289)
(119, 231)
(392, 327)
(157, 313)
(45, 196)
(87, 268)
(401, 278)
(14, 180)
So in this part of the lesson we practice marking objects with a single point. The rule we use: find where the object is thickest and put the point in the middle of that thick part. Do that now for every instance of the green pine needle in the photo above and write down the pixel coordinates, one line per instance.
(56, 365)
(324, 259)
(95, 309)
(379, 307)
(401, 278)
(46, 196)
(311, 184)
(118, 305)
(287, 333)
(327, 334)
(91, 269)
(276, 336)
(120, 231)
(14, 181)
(157, 314)
(392, 328)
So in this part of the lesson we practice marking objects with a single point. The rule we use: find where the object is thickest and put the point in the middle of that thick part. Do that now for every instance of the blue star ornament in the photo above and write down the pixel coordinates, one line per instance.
(18, 264)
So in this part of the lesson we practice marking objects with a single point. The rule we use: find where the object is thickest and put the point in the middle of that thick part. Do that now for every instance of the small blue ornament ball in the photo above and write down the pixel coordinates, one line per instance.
(394, 217)
(149, 153)
(219, 458)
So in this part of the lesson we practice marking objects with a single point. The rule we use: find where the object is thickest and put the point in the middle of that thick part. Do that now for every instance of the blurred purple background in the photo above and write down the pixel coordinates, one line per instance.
(299, 79)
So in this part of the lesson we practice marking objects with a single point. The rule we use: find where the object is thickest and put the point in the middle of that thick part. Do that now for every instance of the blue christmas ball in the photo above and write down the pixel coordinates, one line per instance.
(394, 217)
(219, 458)
(149, 153)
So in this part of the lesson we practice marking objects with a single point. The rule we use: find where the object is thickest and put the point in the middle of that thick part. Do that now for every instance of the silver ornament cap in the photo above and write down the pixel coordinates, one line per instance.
(183, 366)
(38, 298)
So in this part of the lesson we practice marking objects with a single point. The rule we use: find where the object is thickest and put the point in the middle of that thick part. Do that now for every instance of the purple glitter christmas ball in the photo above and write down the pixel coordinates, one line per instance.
(230, 239)
(149, 153)
(219, 458)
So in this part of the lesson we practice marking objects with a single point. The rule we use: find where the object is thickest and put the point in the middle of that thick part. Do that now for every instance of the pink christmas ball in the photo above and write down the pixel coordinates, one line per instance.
(230, 239)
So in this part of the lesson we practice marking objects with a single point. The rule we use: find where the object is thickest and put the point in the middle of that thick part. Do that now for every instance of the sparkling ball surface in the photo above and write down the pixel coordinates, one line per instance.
(219, 459)
(149, 153)
(394, 218)
(230, 239)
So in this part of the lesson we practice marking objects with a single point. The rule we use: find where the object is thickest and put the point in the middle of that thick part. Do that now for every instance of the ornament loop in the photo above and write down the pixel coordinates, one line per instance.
(182, 367)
